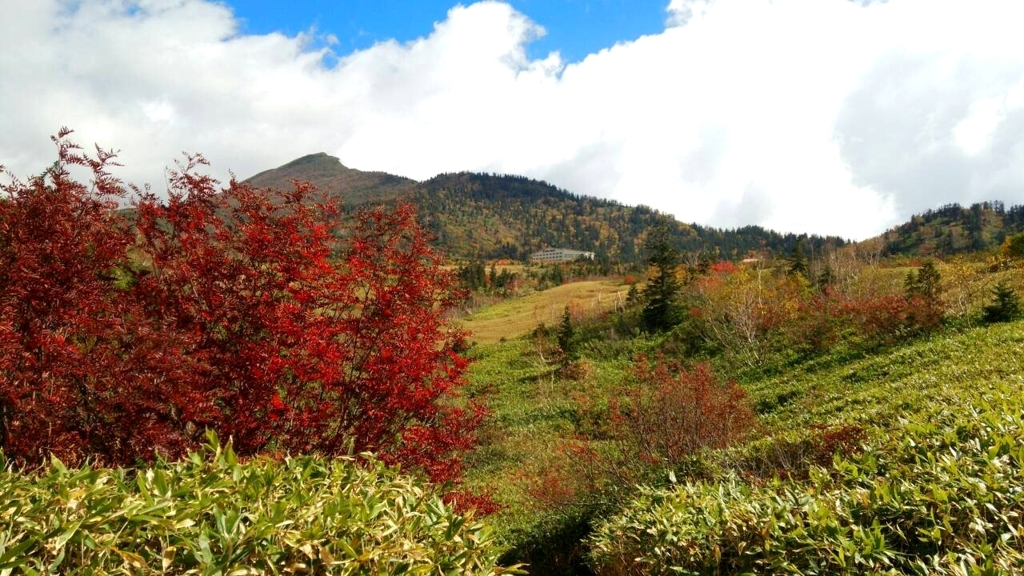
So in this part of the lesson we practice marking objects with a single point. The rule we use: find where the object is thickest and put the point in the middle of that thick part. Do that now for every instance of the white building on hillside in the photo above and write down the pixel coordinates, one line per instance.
(553, 255)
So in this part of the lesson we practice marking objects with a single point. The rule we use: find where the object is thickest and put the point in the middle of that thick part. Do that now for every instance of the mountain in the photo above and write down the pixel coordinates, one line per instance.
(327, 173)
(492, 216)
(953, 229)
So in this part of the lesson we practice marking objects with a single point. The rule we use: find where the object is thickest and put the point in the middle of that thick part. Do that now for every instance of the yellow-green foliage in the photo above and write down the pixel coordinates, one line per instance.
(876, 391)
(945, 498)
(214, 515)
(938, 489)
(518, 316)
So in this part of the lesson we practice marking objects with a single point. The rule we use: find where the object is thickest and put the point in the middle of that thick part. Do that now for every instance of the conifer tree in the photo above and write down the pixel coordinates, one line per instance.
(924, 291)
(925, 283)
(1005, 305)
(798, 259)
(661, 310)
(632, 296)
(567, 337)
(826, 278)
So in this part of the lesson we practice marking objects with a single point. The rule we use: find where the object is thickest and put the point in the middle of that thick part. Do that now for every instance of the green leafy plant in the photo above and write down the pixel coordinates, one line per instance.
(944, 498)
(213, 514)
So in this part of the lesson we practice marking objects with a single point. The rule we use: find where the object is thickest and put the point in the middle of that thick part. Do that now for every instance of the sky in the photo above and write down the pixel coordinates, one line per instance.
(823, 116)
(574, 28)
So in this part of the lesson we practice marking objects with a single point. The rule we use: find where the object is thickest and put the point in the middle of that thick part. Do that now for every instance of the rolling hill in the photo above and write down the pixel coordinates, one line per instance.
(492, 216)
(954, 229)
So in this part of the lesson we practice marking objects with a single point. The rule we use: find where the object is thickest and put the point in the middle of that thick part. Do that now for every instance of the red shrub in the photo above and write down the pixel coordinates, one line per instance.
(818, 323)
(880, 320)
(572, 475)
(85, 370)
(660, 417)
(723, 268)
(234, 309)
(669, 413)
(924, 314)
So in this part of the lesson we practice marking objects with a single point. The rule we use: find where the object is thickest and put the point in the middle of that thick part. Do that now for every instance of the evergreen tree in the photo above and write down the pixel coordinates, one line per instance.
(975, 228)
(926, 283)
(1004, 307)
(826, 278)
(633, 296)
(567, 337)
(556, 275)
(924, 290)
(661, 310)
(798, 259)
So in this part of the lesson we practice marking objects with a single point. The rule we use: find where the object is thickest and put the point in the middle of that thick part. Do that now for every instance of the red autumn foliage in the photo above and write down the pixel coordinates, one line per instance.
(880, 320)
(234, 309)
(575, 473)
(660, 417)
(723, 267)
(85, 369)
(818, 323)
(669, 413)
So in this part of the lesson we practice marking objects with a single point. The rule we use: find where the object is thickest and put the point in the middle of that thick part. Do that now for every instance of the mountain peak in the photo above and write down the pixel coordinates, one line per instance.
(320, 159)
(327, 173)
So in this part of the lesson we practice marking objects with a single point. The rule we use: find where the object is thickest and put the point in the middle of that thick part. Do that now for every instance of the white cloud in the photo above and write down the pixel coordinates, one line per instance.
(828, 116)
(681, 11)
(974, 132)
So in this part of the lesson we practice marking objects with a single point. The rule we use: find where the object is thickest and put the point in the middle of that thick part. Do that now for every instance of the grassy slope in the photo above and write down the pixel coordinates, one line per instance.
(518, 316)
(532, 411)
(918, 501)
(533, 408)
(876, 391)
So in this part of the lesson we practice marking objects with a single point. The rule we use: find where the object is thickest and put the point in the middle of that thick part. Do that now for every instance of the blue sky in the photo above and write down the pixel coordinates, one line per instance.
(575, 28)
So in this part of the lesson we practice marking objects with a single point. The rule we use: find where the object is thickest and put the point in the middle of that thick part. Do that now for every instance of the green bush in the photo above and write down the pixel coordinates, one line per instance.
(211, 514)
(945, 498)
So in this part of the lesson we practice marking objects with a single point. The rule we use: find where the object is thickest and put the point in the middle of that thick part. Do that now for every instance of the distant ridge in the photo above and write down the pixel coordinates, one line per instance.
(953, 229)
(490, 216)
(326, 172)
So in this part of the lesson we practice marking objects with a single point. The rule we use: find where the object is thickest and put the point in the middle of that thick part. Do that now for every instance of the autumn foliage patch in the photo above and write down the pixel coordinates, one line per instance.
(661, 417)
(671, 413)
(259, 314)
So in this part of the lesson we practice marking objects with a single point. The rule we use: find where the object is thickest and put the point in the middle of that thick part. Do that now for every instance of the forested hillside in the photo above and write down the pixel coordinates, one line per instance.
(502, 216)
(493, 216)
(954, 229)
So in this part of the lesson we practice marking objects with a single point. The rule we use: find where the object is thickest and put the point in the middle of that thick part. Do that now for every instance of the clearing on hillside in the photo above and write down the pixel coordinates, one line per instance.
(520, 315)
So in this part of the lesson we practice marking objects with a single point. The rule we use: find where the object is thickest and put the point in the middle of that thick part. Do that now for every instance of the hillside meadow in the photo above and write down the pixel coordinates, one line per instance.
(243, 381)
(908, 394)
(514, 317)
(553, 457)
